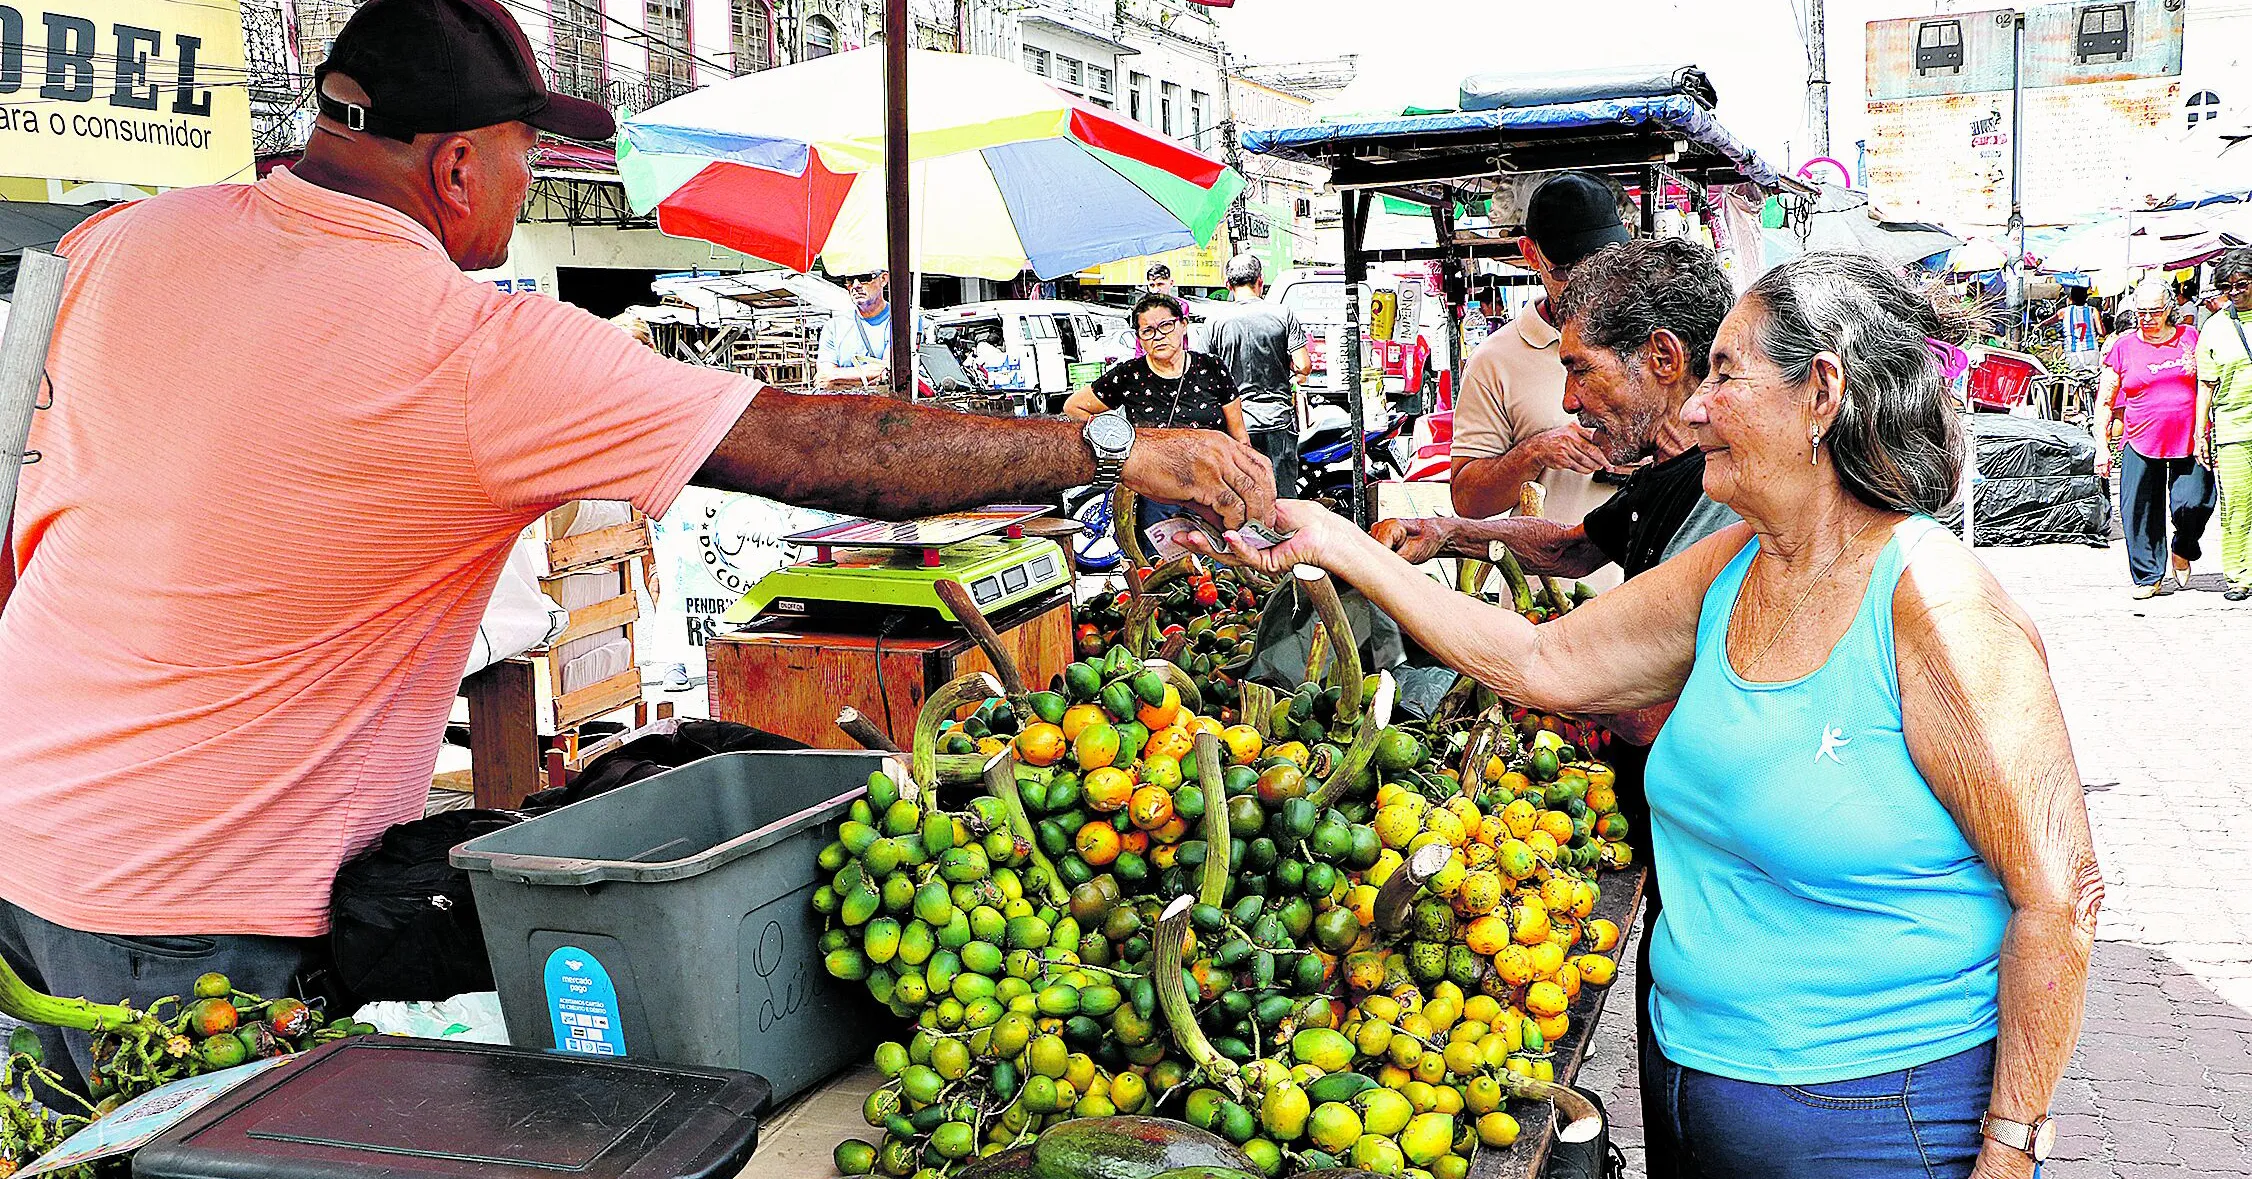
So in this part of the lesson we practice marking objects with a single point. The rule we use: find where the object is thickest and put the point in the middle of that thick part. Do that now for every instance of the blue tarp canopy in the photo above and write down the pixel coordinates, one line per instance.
(1592, 134)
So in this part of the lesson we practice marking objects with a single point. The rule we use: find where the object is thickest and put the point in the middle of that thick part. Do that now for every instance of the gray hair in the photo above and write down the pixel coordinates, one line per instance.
(2236, 263)
(1245, 269)
(1625, 293)
(1896, 442)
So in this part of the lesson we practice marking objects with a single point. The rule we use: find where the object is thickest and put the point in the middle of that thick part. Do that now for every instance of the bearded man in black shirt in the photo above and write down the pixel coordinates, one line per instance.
(1638, 323)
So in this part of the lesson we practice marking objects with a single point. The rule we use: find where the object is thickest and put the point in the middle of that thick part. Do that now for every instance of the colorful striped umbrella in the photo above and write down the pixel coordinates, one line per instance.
(1010, 173)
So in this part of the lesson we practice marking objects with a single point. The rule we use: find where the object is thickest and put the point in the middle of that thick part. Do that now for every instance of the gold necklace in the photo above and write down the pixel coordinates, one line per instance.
(1811, 586)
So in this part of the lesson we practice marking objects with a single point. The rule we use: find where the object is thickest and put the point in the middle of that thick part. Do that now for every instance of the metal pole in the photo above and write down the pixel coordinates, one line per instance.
(1231, 146)
(1452, 274)
(1356, 276)
(23, 364)
(896, 225)
(1817, 80)
(2017, 184)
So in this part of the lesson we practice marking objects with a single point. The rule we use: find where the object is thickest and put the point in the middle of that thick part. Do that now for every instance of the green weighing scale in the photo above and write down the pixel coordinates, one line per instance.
(865, 570)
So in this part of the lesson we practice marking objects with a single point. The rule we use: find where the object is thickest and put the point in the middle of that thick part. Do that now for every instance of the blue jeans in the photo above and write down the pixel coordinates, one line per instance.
(1918, 1123)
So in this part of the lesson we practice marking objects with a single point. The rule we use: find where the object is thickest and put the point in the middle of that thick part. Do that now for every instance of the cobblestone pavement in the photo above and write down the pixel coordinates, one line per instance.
(2159, 698)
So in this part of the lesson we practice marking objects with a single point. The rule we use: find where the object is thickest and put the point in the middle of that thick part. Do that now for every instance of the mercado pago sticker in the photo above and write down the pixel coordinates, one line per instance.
(145, 92)
(582, 1004)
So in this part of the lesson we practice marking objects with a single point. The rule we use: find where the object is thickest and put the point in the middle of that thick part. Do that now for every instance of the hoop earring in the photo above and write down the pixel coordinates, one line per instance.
(1814, 440)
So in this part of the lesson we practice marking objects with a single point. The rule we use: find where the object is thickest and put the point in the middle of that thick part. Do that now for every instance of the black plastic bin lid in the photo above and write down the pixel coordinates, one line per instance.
(393, 1107)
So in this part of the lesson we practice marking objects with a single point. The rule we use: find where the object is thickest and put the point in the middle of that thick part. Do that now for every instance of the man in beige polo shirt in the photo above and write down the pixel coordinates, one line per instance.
(1510, 427)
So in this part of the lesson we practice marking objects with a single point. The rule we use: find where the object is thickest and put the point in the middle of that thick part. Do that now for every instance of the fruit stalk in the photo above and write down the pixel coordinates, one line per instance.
(955, 695)
(1191, 699)
(1001, 783)
(1396, 896)
(1582, 1120)
(861, 729)
(965, 610)
(1140, 635)
(1341, 639)
(1258, 708)
(20, 1002)
(1173, 998)
(1128, 533)
(1520, 592)
(1213, 885)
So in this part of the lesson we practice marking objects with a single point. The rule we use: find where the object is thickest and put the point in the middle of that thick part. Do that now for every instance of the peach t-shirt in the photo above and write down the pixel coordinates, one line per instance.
(289, 449)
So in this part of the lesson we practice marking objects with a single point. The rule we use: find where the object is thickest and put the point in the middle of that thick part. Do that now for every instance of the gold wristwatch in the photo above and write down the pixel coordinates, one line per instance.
(2035, 1140)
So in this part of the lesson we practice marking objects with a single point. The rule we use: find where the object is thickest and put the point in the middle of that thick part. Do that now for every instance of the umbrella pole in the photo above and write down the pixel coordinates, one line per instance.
(904, 287)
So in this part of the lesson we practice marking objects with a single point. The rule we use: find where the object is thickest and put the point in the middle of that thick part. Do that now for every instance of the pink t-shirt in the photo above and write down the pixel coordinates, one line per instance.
(290, 447)
(2157, 392)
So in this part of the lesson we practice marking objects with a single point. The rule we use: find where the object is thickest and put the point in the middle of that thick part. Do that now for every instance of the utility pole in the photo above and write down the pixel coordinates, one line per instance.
(1231, 148)
(1817, 79)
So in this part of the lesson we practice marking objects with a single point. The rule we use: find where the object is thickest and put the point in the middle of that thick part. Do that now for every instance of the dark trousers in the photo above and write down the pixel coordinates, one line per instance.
(1281, 449)
(2148, 488)
(139, 970)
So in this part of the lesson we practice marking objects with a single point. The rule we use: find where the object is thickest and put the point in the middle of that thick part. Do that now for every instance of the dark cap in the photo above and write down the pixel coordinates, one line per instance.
(432, 66)
(1573, 215)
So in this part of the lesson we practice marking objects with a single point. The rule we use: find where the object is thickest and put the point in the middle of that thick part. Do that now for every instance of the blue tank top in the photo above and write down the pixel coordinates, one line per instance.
(1824, 917)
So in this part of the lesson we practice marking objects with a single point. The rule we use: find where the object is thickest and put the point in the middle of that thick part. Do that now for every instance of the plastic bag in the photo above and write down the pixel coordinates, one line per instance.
(473, 1018)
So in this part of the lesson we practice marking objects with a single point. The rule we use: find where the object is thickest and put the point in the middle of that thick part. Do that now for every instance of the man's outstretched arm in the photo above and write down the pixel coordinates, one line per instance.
(878, 456)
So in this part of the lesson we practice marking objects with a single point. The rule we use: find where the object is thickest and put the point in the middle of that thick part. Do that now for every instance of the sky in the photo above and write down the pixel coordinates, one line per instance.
(1416, 51)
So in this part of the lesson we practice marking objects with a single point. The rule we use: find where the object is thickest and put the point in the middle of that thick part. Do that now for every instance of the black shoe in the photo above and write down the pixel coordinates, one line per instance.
(2237, 593)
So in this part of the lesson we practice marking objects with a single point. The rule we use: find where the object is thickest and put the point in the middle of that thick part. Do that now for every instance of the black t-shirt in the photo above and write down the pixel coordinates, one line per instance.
(1661, 510)
(1195, 398)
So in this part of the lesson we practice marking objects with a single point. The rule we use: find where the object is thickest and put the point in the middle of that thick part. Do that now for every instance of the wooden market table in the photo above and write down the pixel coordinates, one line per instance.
(1621, 903)
(792, 681)
(796, 1142)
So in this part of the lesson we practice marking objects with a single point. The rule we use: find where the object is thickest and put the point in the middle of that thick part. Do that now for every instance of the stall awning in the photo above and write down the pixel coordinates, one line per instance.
(1425, 148)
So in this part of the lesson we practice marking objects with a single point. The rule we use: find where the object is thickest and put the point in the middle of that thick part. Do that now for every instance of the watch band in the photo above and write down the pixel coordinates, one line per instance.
(2030, 1139)
(1110, 463)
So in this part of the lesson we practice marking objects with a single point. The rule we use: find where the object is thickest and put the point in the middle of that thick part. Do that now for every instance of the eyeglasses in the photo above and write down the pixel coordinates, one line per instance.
(1158, 331)
(2149, 312)
(860, 280)
(2237, 288)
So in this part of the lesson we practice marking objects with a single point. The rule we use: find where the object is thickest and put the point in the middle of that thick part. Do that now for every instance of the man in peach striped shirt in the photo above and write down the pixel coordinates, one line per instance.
(290, 445)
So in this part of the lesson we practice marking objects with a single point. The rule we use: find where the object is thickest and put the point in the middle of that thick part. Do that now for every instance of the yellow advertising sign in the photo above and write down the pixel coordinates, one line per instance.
(148, 92)
(1193, 266)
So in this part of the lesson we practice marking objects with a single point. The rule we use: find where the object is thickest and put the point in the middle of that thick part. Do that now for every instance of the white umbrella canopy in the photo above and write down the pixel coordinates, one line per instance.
(2137, 241)
(1978, 256)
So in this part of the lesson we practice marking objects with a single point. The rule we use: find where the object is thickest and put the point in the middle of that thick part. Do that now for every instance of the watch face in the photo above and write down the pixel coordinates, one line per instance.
(1109, 433)
(2045, 1139)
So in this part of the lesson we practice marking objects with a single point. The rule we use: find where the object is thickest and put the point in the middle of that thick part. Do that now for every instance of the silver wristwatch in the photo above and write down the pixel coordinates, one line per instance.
(1111, 437)
(2035, 1140)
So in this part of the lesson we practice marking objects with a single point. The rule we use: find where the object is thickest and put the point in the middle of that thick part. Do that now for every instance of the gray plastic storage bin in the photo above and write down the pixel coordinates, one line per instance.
(672, 920)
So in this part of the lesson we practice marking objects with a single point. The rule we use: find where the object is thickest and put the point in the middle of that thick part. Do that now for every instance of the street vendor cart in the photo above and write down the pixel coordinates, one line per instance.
(1657, 138)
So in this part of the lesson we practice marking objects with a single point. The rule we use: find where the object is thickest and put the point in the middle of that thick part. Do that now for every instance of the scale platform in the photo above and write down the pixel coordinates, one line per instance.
(863, 570)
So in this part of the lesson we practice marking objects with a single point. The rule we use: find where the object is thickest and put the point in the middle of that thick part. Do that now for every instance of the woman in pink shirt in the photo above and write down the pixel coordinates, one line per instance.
(2150, 383)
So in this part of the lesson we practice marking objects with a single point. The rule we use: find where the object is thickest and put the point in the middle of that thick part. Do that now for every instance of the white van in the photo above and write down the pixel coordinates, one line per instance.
(1038, 340)
(1317, 296)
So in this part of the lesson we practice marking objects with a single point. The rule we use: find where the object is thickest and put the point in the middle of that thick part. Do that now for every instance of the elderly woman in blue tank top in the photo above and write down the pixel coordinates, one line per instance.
(1880, 887)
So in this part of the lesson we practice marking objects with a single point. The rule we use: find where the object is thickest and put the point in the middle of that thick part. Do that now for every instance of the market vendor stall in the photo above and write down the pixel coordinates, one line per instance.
(1663, 144)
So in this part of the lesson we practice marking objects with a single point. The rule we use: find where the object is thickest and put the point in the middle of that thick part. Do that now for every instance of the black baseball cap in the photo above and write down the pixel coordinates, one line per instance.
(432, 66)
(1573, 215)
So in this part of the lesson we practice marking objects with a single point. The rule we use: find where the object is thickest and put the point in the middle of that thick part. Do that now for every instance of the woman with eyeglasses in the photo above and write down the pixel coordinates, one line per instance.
(2224, 375)
(1167, 385)
(2149, 382)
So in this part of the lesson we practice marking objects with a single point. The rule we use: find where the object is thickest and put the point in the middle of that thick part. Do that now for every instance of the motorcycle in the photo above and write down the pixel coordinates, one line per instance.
(1326, 470)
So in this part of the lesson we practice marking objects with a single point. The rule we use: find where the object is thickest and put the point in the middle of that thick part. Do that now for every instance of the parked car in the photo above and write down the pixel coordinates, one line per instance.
(1029, 345)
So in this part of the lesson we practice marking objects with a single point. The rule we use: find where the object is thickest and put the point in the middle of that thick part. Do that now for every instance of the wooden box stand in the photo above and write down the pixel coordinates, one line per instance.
(793, 682)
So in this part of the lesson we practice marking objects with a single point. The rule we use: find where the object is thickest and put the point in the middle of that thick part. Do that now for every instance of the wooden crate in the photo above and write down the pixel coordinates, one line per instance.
(793, 682)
